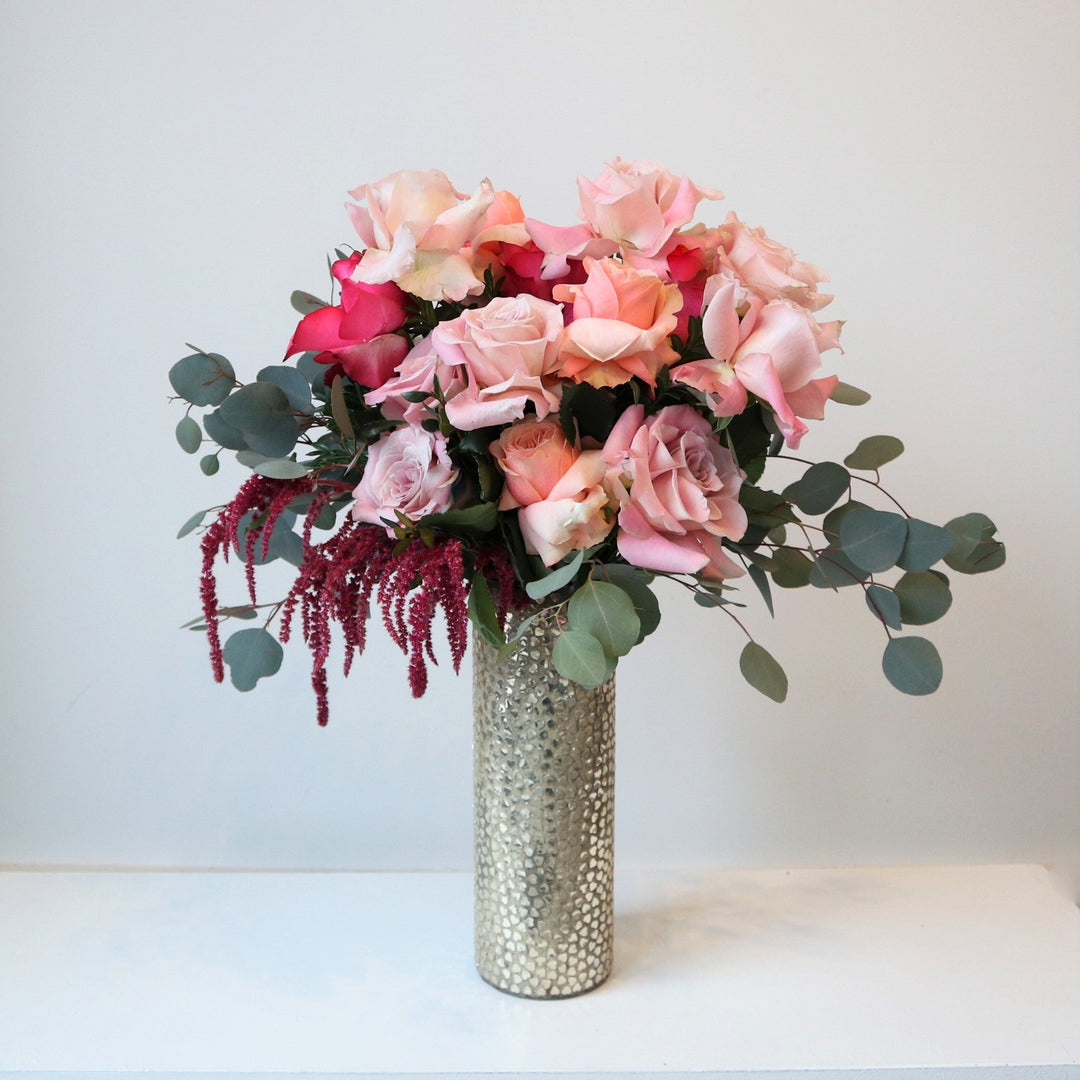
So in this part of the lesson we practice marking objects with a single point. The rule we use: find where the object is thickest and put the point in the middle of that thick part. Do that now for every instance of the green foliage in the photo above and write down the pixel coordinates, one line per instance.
(281, 469)
(832, 569)
(873, 539)
(974, 549)
(295, 387)
(846, 394)
(912, 665)
(762, 672)
(559, 578)
(874, 452)
(203, 378)
(252, 654)
(821, 487)
(925, 545)
(579, 657)
(607, 613)
(189, 435)
(483, 614)
(924, 596)
(191, 524)
(262, 413)
(209, 464)
(885, 605)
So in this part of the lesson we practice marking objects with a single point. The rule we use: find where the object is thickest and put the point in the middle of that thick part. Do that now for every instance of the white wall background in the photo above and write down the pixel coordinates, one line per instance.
(173, 171)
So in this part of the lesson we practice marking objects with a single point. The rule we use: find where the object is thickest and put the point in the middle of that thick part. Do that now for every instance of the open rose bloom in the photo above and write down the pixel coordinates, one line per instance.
(493, 405)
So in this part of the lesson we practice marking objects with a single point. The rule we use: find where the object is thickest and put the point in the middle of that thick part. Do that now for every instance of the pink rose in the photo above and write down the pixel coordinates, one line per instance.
(771, 350)
(417, 229)
(559, 490)
(622, 320)
(416, 374)
(408, 471)
(770, 269)
(679, 492)
(509, 350)
(639, 204)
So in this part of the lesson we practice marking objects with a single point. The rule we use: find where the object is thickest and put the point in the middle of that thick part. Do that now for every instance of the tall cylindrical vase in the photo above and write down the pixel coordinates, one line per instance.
(544, 775)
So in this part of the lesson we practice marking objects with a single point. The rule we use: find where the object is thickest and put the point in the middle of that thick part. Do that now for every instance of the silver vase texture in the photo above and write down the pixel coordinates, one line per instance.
(544, 818)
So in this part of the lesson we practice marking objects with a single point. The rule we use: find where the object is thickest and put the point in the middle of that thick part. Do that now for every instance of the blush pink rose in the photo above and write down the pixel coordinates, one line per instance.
(559, 491)
(622, 320)
(416, 373)
(679, 492)
(639, 204)
(417, 228)
(408, 471)
(772, 350)
(770, 269)
(509, 352)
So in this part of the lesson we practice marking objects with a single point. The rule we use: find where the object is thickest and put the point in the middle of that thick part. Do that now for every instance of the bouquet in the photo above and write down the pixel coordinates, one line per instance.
(491, 412)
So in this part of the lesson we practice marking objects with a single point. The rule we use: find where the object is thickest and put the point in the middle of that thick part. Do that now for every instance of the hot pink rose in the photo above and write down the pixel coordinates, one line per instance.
(559, 490)
(639, 204)
(679, 492)
(417, 228)
(509, 350)
(408, 471)
(622, 320)
(769, 268)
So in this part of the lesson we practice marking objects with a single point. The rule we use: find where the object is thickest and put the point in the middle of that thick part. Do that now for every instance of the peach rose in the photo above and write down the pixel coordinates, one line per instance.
(559, 490)
(408, 471)
(679, 492)
(770, 269)
(622, 321)
(417, 228)
(639, 204)
(509, 351)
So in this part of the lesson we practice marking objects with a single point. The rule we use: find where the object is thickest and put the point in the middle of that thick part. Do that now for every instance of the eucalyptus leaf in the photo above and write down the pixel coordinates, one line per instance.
(263, 413)
(821, 486)
(189, 435)
(607, 613)
(203, 378)
(924, 596)
(209, 464)
(974, 549)
(644, 600)
(295, 387)
(832, 569)
(281, 469)
(873, 452)
(762, 672)
(557, 579)
(834, 519)
(222, 432)
(873, 539)
(340, 410)
(305, 303)
(191, 524)
(925, 545)
(846, 394)
(579, 657)
(761, 580)
(912, 665)
(252, 654)
(792, 568)
(885, 605)
(285, 544)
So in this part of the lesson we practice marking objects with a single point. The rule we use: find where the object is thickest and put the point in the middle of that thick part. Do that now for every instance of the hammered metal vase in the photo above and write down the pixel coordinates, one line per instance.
(544, 775)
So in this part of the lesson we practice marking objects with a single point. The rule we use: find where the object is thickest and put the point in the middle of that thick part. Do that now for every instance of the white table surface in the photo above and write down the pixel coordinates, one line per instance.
(947, 971)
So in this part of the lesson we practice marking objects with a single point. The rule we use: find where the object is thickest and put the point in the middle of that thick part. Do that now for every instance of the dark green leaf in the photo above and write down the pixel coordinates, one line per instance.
(209, 464)
(885, 605)
(761, 580)
(765, 507)
(873, 539)
(912, 665)
(607, 613)
(580, 657)
(924, 597)
(924, 546)
(340, 410)
(832, 569)
(641, 596)
(846, 394)
(593, 410)
(191, 524)
(821, 486)
(762, 672)
(557, 579)
(873, 452)
(835, 518)
(483, 517)
(482, 612)
(189, 435)
(203, 378)
(252, 654)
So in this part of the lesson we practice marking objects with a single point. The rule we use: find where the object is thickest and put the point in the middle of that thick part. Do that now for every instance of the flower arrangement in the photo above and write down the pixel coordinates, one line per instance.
(491, 411)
